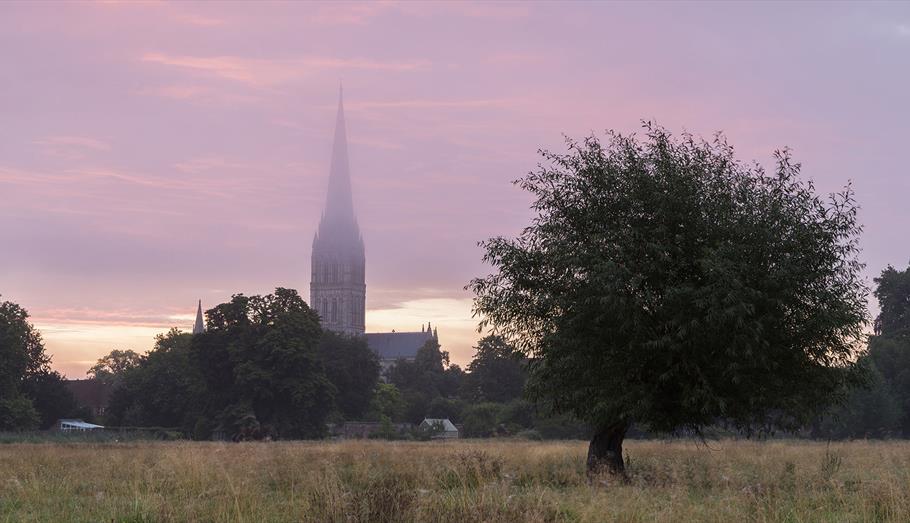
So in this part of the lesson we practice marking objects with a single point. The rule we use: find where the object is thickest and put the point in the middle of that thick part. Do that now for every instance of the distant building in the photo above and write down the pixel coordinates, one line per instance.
(394, 346)
(75, 425)
(337, 279)
(338, 264)
(445, 428)
(91, 394)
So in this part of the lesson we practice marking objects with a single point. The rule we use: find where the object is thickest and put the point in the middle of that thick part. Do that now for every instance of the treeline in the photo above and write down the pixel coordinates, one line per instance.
(265, 369)
(881, 409)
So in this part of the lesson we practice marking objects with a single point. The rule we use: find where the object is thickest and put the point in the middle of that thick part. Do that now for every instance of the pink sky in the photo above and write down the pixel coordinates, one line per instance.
(154, 153)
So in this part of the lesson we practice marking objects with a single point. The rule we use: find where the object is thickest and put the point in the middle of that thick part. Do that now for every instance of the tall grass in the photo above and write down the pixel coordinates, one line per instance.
(460, 481)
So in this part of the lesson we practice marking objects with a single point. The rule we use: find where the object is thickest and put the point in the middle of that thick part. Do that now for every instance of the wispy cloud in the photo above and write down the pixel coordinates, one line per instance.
(198, 93)
(206, 163)
(85, 316)
(349, 13)
(903, 30)
(508, 58)
(377, 143)
(74, 141)
(432, 104)
(199, 20)
(71, 147)
(267, 73)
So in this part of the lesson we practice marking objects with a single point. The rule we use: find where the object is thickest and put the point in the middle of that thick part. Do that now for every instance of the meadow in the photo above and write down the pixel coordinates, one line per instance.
(463, 481)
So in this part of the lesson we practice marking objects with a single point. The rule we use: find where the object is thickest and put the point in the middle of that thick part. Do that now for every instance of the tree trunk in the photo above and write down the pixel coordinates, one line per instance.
(605, 451)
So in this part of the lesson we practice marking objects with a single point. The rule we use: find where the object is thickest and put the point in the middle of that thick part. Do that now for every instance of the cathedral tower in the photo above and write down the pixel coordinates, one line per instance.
(337, 284)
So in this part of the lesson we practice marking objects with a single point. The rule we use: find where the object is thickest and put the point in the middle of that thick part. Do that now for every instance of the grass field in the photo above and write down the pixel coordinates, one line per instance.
(459, 481)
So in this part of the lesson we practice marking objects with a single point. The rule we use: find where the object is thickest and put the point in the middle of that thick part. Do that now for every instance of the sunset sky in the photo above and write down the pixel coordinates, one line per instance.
(154, 153)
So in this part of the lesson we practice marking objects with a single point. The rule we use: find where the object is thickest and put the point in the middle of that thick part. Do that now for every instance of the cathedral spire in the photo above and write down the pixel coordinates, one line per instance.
(337, 274)
(199, 326)
(339, 203)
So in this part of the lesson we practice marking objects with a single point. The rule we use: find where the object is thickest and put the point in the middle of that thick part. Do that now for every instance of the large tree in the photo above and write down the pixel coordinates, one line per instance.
(31, 394)
(666, 283)
(260, 361)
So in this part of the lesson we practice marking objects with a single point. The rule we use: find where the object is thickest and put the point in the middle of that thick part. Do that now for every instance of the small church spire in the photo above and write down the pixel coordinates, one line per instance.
(199, 326)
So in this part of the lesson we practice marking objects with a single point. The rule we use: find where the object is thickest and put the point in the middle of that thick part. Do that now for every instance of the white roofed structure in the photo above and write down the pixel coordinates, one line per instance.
(69, 425)
(446, 429)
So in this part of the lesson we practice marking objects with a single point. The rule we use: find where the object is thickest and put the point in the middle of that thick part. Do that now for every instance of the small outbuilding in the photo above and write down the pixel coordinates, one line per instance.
(76, 425)
(440, 428)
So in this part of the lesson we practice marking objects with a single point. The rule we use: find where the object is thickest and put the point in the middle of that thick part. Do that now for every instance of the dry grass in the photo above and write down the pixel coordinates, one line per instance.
(459, 481)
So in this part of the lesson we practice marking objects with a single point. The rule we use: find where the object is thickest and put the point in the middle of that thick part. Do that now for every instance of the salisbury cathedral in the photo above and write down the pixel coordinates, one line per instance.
(337, 279)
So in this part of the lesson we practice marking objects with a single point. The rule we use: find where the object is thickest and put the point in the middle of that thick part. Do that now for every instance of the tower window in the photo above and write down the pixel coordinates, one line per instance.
(334, 310)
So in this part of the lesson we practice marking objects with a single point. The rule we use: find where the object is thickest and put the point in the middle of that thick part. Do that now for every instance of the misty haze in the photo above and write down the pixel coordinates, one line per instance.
(454, 261)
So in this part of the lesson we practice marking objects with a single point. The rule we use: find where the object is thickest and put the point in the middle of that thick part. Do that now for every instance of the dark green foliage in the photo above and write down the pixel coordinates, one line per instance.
(889, 348)
(163, 389)
(882, 409)
(445, 408)
(259, 356)
(17, 412)
(481, 420)
(870, 412)
(386, 403)
(31, 394)
(111, 368)
(51, 398)
(663, 282)
(353, 369)
(497, 372)
(891, 358)
(893, 293)
(428, 377)
(264, 367)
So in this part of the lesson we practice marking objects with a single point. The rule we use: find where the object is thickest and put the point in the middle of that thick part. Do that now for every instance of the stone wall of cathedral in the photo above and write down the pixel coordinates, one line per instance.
(338, 292)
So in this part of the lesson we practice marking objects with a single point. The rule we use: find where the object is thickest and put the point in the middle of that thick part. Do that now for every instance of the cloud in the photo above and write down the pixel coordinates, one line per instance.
(197, 93)
(432, 104)
(903, 30)
(349, 14)
(513, 59)
(199, 20)
(71, 147)
(75, 141)
(377, 143)
(268, 73)
(206, 163)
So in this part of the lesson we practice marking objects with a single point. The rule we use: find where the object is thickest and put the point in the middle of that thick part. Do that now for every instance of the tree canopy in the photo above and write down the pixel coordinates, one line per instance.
(110, 368)
(264, 367)
(31, 394)
(889, 348)
(497, 372)
(666, 283)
